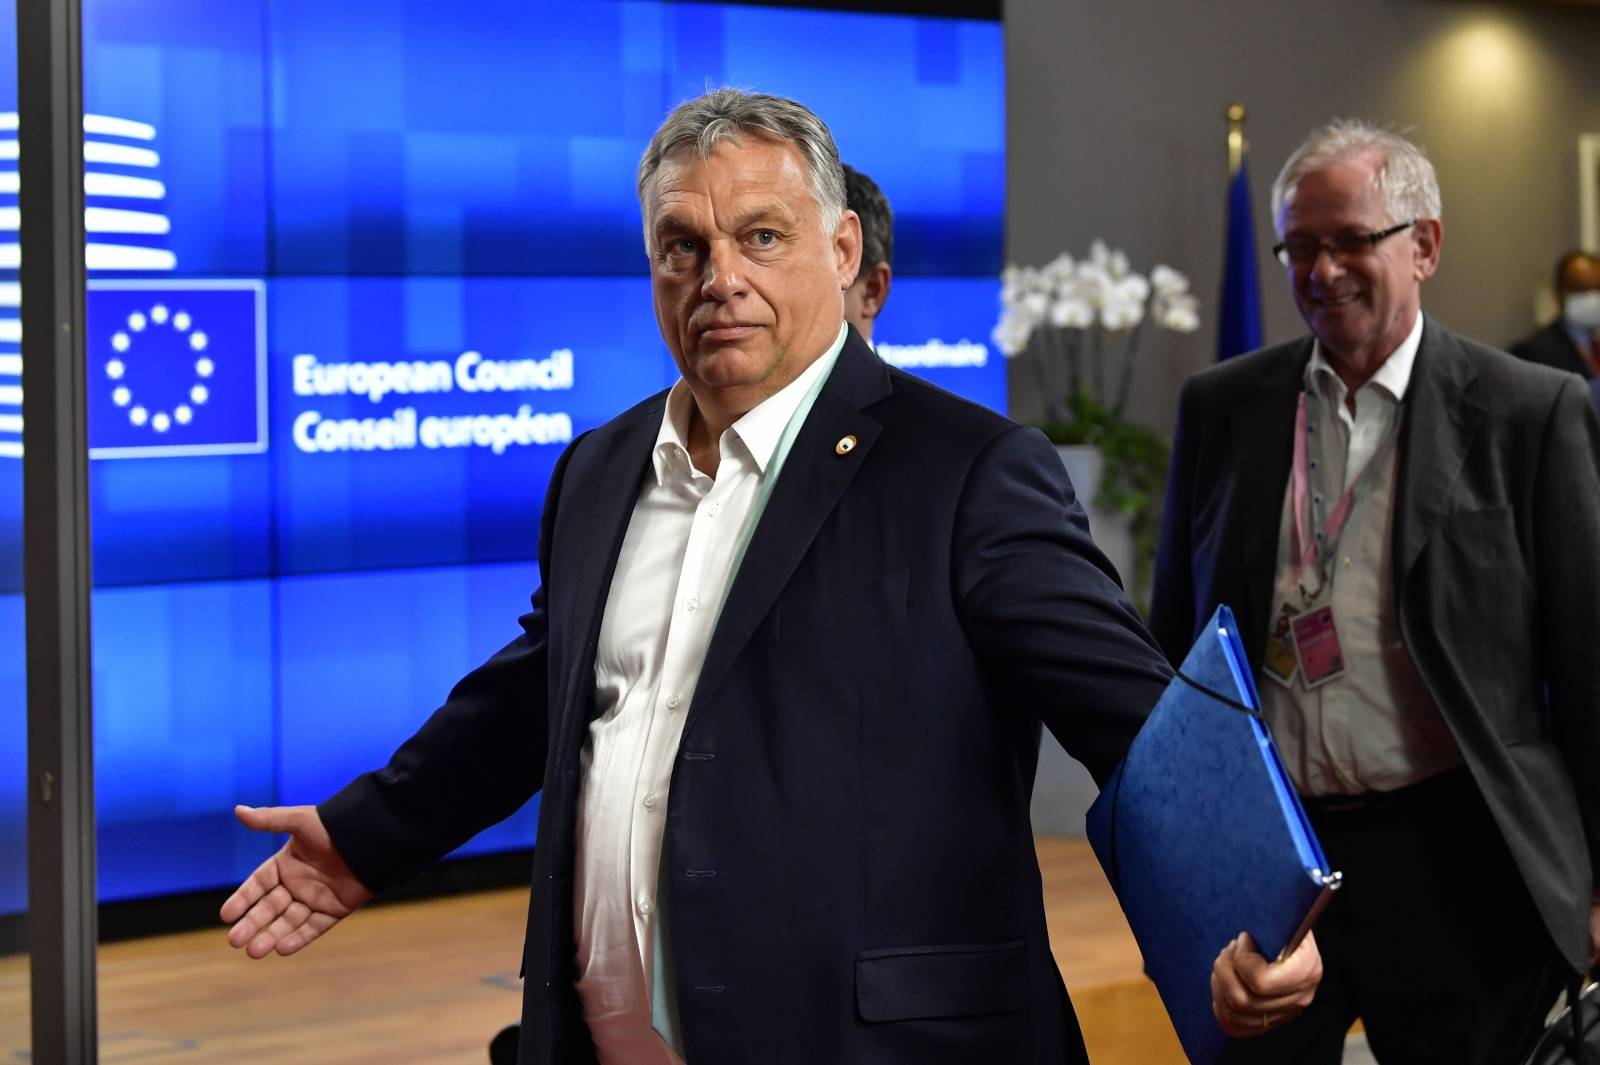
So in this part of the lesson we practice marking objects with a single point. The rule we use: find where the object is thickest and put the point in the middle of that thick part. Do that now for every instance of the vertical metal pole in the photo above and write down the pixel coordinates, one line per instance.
(61, 834)
(1236, 143)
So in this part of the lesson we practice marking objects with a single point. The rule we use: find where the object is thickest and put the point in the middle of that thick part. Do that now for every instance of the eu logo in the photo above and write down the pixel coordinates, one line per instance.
(175, 368)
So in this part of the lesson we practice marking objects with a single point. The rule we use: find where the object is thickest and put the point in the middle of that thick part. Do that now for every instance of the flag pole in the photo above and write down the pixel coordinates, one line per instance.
(1236, 145)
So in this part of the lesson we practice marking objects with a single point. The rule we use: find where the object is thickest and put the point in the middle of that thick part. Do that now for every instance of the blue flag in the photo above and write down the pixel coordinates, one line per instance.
(1239, 315)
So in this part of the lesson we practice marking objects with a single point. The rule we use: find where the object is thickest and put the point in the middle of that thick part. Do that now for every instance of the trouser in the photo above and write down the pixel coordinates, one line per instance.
(1433, 941)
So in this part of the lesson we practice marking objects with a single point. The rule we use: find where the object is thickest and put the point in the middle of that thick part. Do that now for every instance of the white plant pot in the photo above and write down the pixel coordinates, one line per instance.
(1084, 464)
(1063, 789)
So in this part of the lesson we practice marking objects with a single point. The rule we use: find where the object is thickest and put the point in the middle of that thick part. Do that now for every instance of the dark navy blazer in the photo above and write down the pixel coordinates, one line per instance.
(848, 851)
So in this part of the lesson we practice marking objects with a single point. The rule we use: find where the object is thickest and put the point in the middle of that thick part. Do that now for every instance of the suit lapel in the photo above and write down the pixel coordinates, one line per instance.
(1263, 445)
(813, 478)
(610, 508)
(1441, 421)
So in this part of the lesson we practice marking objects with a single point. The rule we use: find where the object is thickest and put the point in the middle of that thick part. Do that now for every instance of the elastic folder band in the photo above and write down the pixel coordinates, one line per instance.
(1225, 700)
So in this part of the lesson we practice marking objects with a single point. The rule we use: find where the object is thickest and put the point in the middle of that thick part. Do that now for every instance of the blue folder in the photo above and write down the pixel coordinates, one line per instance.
(1202, 837)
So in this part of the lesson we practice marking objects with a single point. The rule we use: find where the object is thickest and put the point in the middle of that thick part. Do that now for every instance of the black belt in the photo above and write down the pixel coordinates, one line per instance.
(1441, 786)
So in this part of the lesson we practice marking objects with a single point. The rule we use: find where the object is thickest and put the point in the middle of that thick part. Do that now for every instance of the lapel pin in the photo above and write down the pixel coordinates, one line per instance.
(845, 445)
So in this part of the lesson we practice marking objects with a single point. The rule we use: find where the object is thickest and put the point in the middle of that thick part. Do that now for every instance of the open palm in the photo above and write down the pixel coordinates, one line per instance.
(297, 894)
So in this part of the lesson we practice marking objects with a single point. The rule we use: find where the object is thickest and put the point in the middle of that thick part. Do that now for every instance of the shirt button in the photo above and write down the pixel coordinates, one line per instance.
(672, 702)
(644, 906)
(692, 605)
(650, 801)
(711, 511)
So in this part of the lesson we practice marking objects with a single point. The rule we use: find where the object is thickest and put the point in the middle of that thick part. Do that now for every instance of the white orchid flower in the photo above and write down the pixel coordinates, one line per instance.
(1179, 313)
(1132, 288)
(1093, 282)
(1167, 281)
(1072, 311)
(1099, 291)
(1011, 335)
(1119, 314)
(1016, 282)
(1060, 271)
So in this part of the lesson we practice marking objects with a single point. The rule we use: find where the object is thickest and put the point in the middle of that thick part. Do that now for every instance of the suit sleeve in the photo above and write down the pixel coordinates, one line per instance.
(1042, 608)
(1567, 531)
(473, 763)
(1172, 613)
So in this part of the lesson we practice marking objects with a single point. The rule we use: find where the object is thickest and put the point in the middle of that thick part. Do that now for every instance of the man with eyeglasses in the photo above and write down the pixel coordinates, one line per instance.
(1406, 525)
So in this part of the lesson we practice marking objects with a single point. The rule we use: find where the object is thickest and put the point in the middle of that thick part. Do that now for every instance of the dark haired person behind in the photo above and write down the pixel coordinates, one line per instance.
(865, 297)
(1572, 341)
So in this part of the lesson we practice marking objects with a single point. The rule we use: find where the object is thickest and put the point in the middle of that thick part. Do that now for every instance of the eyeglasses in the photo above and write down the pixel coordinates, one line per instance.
(1303, 251)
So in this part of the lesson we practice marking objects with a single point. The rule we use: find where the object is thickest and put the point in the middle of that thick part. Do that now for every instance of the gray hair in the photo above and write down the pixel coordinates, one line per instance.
(1405, 178)
(724, 115)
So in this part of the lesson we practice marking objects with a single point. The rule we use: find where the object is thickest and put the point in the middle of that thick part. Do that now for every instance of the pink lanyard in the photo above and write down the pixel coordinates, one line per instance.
(1305, 536)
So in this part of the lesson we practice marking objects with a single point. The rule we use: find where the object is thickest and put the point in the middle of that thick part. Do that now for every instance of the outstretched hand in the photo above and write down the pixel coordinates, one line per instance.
(1250, 995)
(297, 894)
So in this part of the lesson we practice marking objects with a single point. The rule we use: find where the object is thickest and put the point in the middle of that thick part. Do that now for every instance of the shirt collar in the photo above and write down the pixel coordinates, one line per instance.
(1394, 376)
(761, 427)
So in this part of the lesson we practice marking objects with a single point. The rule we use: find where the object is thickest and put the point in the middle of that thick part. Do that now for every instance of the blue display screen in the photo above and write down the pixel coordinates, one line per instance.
(358, 273)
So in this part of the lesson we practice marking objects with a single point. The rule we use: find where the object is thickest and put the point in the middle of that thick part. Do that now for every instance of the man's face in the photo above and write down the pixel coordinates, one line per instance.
(1360, 306)
(748, 289)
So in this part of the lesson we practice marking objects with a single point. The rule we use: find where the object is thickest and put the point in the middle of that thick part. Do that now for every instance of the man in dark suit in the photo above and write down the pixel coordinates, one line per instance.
(837, 675)
(1406, 525)
(1572, 341)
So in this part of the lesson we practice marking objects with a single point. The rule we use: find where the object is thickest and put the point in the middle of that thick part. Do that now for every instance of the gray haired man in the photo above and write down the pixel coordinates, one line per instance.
(801, 618)
(1406, 525)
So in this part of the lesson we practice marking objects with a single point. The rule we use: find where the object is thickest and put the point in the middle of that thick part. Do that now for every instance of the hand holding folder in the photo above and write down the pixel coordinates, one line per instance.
(1201, 835)
(1250, 994)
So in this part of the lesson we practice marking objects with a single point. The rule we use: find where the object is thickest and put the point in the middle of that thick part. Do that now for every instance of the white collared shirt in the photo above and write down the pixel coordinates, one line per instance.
(672, 575)
(1376, 727)
(1378, 401)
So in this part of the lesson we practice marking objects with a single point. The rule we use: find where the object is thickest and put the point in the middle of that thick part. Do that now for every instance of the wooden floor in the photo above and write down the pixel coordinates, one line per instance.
(429, 983)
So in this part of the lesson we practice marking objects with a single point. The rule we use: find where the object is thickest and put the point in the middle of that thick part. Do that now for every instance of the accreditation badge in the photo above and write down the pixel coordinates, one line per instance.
(1279, 661)
(1316, 644)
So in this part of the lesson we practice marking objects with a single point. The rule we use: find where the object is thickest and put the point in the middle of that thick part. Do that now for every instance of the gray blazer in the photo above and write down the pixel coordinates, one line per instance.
(1497, 572)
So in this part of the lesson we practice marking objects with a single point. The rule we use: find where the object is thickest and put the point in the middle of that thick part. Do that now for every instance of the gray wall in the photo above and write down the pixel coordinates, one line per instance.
(1115, 130)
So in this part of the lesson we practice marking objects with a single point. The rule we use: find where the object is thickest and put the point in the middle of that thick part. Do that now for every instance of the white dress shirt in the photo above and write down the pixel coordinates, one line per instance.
(677, 560)
(1375, 727)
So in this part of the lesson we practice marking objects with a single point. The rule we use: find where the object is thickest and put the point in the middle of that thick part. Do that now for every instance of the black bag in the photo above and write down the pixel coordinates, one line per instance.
(1573, 1037)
